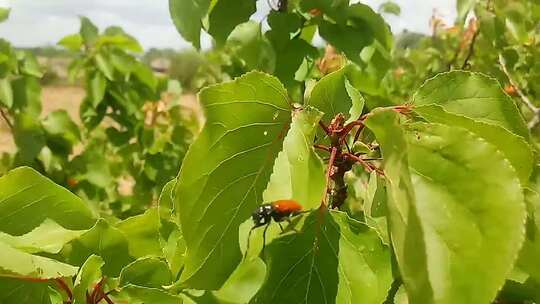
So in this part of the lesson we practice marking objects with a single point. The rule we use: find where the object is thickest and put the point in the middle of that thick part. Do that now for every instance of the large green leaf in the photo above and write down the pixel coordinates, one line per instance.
(142, 232)
(529, 256)
(226, 170)
(475, 96)
(405, 228)
(225, 15)
(474, 231)
(243, 283)
(334, 259)
(298, 172)
(105, 241)
(514, 147)
(18, 291)
(147, 295)
(48, 237)
(28, 198)
(469, 201)
(17, 263)
(187, 15)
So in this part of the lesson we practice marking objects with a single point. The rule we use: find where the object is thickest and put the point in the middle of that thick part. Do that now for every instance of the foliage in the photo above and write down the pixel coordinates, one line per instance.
(419, 181)
(135, 131)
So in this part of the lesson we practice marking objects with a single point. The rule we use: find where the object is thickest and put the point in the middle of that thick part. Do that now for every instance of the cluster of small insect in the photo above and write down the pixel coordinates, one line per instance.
(340, 161)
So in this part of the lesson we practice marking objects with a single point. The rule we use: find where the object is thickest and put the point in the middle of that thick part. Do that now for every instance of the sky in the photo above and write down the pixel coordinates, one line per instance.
(45, 22)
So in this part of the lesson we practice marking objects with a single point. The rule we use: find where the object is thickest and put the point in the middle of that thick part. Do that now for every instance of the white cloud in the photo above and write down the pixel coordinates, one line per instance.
(44, 22)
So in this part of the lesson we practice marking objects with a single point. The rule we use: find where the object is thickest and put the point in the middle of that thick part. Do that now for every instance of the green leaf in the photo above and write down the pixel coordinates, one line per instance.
(72, 42)
(29, 137)
(62, 132)
(27, 95)
(243, 283)
(463, 8)
(145, 75)
(475, 96)
(298, 171)
(363, 26)
(6, 93)
(225, 15)
(30, 65)
(142, 232)
(88, 276)
(358, 102)
(4, 13)
(89, 32)
(123, 41)
(390, 7)
(144, 295)
(17, 263)
(340, 36)
(250, 46)
(468, 241)
(48, 237)
(514, 147)
(166, 200)
(18, 291)
(96, 87)
(174, 248)
(105, 241)
(27, 198)
(226, 170)
(528, 258)
(362, 15)
(103, 64)
(334, 259)
(479, 197)
(187, 15)
(334, 94)
(147, 272)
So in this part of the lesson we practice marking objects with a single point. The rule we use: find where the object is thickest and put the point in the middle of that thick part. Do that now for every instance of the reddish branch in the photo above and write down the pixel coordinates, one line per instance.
(341, 160)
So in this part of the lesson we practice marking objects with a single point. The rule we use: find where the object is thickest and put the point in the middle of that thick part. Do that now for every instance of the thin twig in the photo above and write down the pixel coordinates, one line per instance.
(394, 288)
(328, 174)
(8, 122)
(523, 97)
(470, 52)
(65, 288)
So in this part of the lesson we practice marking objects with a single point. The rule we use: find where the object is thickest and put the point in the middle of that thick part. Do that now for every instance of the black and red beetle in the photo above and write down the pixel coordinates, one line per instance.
(279, 211)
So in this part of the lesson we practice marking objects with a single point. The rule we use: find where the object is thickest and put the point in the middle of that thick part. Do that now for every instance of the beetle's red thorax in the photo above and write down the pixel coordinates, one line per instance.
(287, 206)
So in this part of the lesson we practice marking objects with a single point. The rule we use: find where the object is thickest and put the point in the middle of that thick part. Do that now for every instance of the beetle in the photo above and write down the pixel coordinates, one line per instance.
(279, 211)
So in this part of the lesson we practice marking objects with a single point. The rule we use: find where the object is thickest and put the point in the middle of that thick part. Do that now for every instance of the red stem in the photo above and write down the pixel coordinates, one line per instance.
(65, 288)
(328, 173)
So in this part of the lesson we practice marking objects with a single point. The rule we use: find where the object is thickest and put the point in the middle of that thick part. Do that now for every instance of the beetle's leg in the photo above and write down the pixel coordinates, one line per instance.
(264, 236)
(249, 237)
(282, 230)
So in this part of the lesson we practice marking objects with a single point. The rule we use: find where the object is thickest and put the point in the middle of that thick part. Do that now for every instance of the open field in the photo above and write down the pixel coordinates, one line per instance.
(68, 98)
(53, 98)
